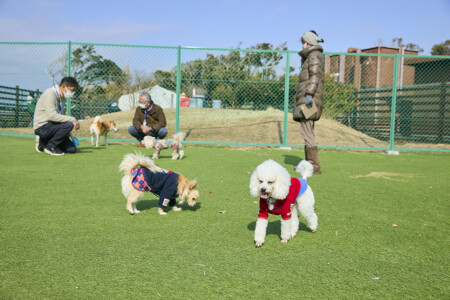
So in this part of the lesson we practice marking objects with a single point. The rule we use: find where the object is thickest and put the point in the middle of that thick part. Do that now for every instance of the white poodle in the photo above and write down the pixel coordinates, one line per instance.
(279, 194)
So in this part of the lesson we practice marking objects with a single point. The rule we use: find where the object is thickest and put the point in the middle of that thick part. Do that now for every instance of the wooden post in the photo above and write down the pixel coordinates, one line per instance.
(357, 73)
(342, 68)
(327, 64)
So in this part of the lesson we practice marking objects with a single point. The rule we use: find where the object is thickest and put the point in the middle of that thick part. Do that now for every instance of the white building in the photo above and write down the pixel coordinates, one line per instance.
(161, 96)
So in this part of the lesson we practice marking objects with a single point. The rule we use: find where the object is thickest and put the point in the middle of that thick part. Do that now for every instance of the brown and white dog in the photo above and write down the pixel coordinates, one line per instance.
(101, 127)
(141, 175)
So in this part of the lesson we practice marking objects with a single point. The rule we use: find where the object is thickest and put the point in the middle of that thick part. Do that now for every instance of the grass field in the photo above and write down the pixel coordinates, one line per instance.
(65, 233)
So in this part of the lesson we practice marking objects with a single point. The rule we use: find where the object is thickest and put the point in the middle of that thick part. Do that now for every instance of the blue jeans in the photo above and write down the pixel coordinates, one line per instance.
(55, 134)
(162, 132)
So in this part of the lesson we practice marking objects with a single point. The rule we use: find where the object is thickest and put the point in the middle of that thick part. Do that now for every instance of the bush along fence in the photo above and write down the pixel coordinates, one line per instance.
(389, 95)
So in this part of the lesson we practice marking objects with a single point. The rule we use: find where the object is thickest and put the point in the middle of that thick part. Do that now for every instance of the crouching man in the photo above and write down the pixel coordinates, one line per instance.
(52, 127)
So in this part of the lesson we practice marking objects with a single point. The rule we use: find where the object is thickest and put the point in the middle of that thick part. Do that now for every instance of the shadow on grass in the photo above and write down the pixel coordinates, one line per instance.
(292, 160)
(101, 146)
(274, 227)
(83, 150)
(149, 204)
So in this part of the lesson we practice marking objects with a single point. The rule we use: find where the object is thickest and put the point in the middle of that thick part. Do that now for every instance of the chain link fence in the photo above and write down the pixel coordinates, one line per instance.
(380, 101)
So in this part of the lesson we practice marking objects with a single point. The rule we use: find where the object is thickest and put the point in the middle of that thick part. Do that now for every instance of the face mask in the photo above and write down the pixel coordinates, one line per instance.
(142, 106)
(304, 45)
(68, 93)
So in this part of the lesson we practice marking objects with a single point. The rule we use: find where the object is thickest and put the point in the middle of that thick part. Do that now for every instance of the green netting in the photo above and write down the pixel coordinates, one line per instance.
(235, 96)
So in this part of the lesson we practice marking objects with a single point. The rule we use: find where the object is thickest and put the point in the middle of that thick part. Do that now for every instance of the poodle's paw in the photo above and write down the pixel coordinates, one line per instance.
(155, 156)
(131, 211)
(284, 241)
(175, 156)
(161, 212)
(176, 208)
(258, 243)
(313, 230)
(136, 211)
(181, 154)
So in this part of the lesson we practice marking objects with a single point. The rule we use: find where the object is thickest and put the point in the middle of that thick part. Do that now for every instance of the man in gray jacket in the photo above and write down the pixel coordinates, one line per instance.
(52, 127)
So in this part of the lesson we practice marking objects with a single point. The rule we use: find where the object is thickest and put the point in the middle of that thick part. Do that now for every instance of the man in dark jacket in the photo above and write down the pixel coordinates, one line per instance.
(149, 119)
(310, 92)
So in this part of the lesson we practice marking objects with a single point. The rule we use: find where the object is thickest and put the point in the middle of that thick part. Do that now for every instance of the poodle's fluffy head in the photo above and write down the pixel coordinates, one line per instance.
(270, 179)
(149, 142)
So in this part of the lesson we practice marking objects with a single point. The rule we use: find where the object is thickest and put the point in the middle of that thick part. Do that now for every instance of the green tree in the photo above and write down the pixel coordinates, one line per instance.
(88, 67)
(338, 98)
(100, 79)
(441, 49)
(225, 93)
(236, 76)
(262, 64)
(166, 79)
(398, 42)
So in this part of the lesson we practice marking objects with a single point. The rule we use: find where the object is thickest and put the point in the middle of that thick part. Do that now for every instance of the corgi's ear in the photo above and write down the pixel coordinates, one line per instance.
(193, 184)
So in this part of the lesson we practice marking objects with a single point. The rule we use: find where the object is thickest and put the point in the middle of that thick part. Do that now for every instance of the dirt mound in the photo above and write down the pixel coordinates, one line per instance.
(245, 127)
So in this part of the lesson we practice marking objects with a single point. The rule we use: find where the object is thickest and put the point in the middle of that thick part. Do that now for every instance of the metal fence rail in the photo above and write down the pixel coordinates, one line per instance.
(236, 96)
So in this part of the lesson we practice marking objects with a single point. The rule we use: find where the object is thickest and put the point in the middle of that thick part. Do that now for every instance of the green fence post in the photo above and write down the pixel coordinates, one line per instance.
(286, 96)
(177, 113)
(69, 62)
(393, 104)
(441, 122)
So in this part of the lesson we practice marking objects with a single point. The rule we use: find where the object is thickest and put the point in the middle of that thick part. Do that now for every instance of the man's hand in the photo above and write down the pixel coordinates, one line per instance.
(145, 128)
(308, 100)
(76, 125)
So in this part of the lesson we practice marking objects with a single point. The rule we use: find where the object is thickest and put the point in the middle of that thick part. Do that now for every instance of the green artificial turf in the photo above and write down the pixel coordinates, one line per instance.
(65, 232)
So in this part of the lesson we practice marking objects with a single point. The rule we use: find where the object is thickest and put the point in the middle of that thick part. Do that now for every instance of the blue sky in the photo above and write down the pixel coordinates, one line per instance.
(227, 23)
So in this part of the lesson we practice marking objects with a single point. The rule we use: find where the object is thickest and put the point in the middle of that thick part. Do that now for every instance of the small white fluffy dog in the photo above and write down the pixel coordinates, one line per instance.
(280, 195)
(101, 127)
(174, 143)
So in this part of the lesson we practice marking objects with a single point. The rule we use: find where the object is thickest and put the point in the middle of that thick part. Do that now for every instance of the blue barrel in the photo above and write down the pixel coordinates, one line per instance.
(200, 100)
(193, 102)
(217, 104)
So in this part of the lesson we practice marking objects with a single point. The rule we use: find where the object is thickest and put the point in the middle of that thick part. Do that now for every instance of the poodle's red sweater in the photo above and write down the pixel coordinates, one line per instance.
(281, 207)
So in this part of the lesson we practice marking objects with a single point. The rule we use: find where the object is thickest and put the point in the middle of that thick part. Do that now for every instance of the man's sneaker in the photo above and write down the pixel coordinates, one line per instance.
(53, 151)
(39, 148)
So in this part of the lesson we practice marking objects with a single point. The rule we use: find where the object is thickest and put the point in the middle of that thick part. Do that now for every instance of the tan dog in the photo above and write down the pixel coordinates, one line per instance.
(141, 175)
(101, 127)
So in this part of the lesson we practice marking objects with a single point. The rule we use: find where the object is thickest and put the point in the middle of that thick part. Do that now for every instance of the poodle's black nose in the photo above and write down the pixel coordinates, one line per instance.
(263, 189)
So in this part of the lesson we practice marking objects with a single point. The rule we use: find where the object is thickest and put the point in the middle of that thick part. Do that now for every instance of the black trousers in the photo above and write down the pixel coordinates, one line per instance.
(55, 134)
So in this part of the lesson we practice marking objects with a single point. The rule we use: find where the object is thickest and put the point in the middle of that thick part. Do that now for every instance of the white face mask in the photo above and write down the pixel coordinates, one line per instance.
(142, 106)
(68, 93)
(304, 45)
